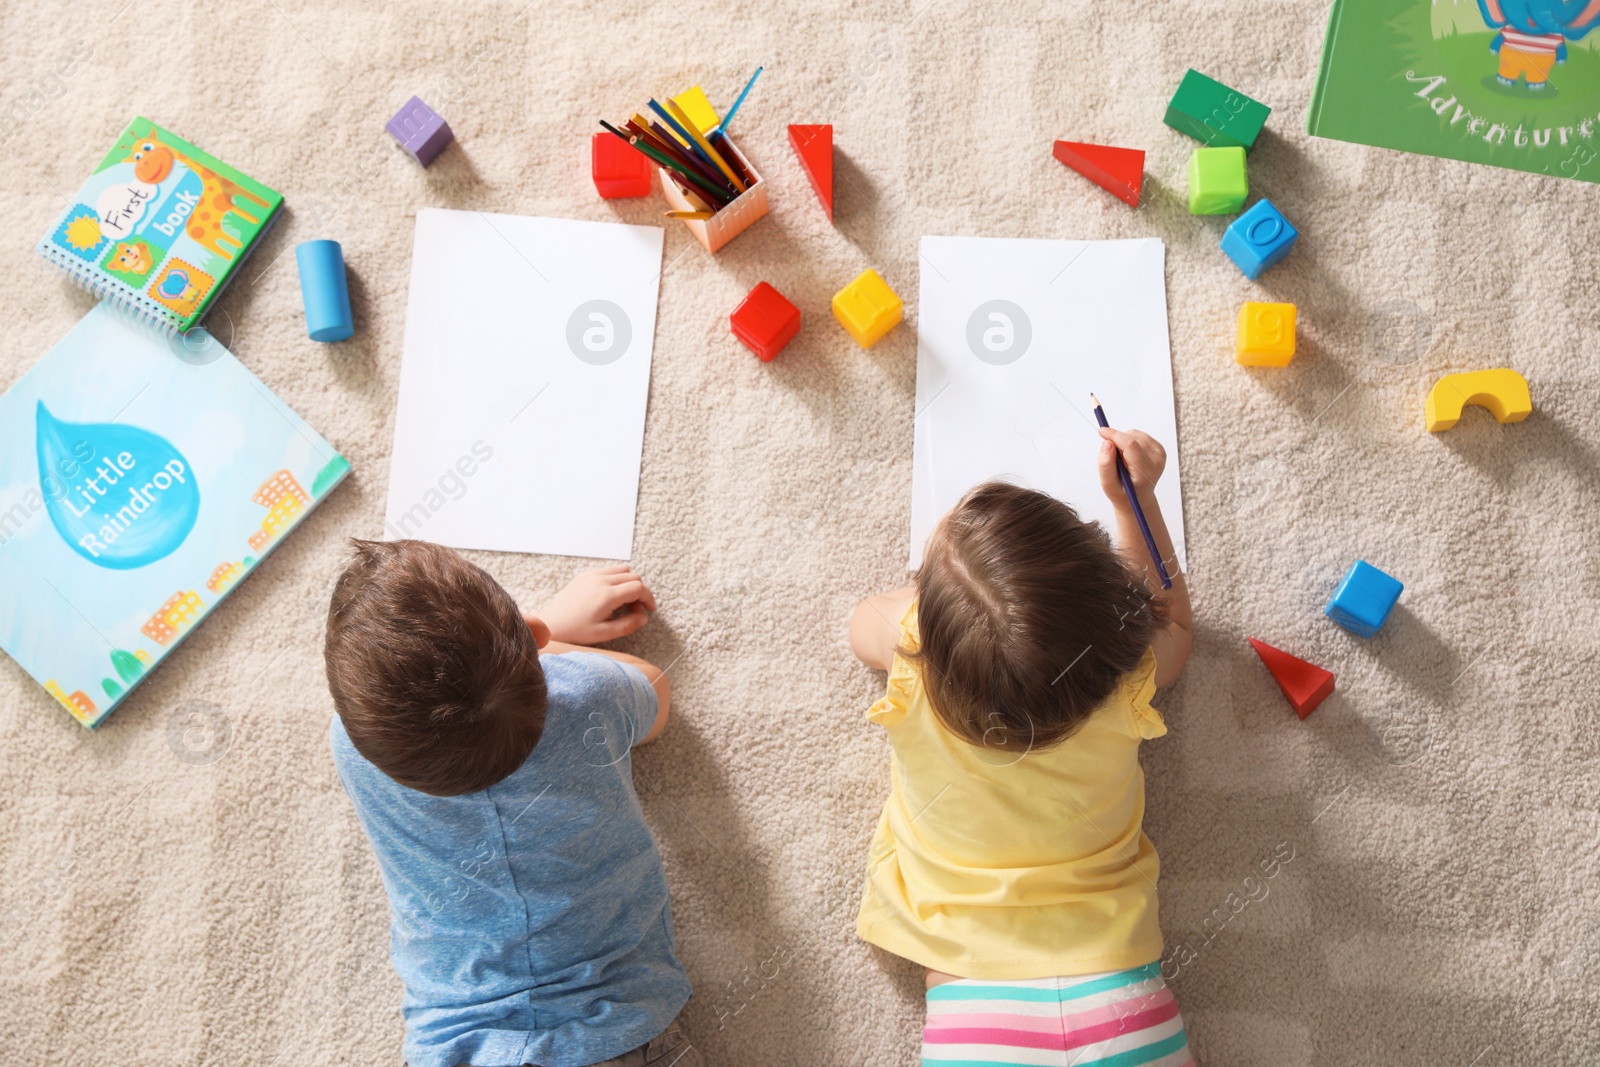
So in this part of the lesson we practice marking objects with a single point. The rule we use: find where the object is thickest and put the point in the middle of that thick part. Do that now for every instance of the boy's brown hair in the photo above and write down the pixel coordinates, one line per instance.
(432, 668)
(1027, 618)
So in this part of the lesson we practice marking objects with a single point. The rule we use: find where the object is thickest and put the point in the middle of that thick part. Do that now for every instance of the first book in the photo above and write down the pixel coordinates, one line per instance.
(160, 227)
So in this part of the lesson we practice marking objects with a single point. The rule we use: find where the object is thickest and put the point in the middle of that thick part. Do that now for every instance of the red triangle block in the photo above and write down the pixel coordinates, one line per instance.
(1305, 684)
(1120, 171)
(814, 146)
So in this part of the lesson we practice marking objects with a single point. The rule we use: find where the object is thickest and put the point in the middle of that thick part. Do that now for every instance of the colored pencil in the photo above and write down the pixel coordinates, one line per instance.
(665, 160)
(687, 214)
(663, 141)
(693, 153)
(705, 145)
(677, 128)
(698, 200)
(661, 138)
(723, 125)
(732, 157)
(716, 196)
(1133, 499)
(652, 137)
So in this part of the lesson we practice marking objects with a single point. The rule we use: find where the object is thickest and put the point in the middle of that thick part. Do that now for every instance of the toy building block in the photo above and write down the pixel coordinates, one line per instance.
(324, 290)
(1210, 112)
(420, 130)
(867, 308)
(698, 108)
(1217, 184)
(1258, 239)
(1266, 335)
(1364, 599)
(1119, 171)
(765, 321)
(619, 171)
(814, 146)
(1305, 684)
(1503, 391)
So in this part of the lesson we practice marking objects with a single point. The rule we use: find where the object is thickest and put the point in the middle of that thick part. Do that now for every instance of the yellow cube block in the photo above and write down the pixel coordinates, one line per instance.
(867, 308)
(698, 108)
(1266, 335)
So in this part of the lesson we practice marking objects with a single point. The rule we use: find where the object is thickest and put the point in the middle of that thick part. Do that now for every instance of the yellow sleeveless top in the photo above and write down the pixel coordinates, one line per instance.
(1003, 865)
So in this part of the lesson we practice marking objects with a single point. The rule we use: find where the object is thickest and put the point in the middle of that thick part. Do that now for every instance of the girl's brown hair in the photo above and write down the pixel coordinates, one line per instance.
(1028, 619)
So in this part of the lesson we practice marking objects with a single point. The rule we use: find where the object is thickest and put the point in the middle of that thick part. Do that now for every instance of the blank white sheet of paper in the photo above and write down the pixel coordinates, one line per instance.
(523, 385)
(1012, 337)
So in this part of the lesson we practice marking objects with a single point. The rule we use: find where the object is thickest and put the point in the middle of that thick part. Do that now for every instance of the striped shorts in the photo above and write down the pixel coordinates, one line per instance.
(1116, 1019)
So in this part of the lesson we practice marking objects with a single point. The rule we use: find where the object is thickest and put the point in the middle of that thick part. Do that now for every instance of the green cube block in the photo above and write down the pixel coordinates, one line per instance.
(1217, 183)
(1210, 112)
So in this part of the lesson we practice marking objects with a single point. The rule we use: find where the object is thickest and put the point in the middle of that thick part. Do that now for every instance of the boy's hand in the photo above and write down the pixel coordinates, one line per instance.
(1141, 454)
(599, 605)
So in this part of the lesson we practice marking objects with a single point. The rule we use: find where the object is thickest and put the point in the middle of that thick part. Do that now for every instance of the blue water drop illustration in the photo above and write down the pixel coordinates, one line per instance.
(120, 496)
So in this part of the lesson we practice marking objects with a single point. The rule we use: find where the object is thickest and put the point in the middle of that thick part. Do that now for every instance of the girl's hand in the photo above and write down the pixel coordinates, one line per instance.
(1141, 454)
(599, 605)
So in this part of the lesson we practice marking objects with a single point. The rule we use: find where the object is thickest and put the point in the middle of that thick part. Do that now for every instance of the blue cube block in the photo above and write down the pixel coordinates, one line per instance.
(1364, 599)
(1258, 239)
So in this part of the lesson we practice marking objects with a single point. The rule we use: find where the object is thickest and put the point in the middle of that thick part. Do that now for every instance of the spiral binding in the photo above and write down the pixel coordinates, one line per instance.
(117, 293)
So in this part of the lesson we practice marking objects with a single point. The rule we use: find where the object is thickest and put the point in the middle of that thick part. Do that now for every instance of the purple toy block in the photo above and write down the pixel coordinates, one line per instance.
(420, 130)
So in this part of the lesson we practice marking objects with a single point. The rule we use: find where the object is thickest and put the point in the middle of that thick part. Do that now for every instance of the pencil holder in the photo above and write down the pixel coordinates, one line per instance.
(732, 220)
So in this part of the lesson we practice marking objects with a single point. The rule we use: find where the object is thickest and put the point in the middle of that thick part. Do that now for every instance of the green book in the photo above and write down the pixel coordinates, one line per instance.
(160, 227)
(1510, 83)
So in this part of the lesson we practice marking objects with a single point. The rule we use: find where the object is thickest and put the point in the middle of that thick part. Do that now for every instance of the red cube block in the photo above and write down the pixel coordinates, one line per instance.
(765, 321)
(619, 170)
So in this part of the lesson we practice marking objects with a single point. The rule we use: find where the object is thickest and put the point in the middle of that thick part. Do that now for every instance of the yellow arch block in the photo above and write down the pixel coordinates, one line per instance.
(1504, 392)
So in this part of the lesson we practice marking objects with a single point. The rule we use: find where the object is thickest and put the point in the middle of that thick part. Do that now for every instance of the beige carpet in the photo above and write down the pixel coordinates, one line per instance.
(1441, 808)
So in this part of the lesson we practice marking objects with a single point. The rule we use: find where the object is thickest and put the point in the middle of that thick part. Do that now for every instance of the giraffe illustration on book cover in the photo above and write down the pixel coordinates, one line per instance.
(1510, 83)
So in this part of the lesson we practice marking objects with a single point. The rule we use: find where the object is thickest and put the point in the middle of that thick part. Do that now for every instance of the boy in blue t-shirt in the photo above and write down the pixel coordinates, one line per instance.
(529, 913)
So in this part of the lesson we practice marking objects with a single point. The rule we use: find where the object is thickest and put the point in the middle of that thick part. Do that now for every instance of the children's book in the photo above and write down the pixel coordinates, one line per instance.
(160, 227)
(142, 476)
(1510, 83)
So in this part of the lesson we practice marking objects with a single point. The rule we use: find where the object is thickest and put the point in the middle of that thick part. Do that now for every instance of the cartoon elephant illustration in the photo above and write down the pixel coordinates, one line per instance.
(1534, 34)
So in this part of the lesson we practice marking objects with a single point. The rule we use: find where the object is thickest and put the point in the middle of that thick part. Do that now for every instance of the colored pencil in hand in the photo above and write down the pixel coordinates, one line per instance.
(1133, 499)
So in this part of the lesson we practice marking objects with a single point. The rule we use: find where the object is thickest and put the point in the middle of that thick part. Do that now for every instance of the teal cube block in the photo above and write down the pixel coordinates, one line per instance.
(1214, 114)
(1217, 184)
(1364, 599)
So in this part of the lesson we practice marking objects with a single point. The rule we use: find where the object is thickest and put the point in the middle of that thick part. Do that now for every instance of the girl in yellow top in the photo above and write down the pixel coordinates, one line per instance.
(1010, 859)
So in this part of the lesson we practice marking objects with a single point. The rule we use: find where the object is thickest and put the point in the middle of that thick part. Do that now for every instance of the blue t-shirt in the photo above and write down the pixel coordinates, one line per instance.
(530, 920)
